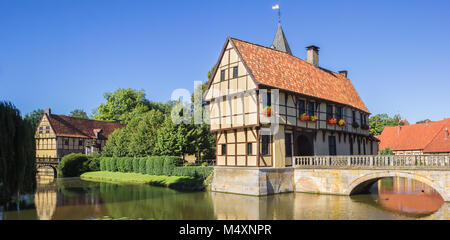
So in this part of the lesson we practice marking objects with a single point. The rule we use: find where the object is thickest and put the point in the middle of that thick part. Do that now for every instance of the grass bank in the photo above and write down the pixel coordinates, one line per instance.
(182, 183)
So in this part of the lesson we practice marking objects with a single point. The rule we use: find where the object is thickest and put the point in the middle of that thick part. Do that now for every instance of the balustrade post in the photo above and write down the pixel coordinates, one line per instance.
(349, 161)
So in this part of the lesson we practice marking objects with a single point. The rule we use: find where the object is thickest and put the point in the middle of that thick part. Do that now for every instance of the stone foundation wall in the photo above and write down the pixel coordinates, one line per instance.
(253, 181)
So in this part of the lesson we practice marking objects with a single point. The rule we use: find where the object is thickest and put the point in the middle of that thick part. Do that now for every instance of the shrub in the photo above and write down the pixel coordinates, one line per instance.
(158, 166)
(102, 164)
(128, 164)
(170, 163)
(149, 166)
(108, 164)
(71, 165)
(155, 165)
(142, 163)
(387, 151)
(113, 164)
(120, 165)
(136, 165)
(197, 172)
(93, 163)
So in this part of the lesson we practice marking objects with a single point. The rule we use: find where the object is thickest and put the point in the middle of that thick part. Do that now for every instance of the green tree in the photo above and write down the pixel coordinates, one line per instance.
(144, 133)
(34, 118)
(125, 104)
(117, 144)
(17, 152)
(173, 139)
(79, 113)
(423, 121)
(378, 122)
(387, 151)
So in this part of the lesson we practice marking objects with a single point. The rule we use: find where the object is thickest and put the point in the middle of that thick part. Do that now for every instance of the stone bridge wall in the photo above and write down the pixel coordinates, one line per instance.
(344, 181)
(341, 181)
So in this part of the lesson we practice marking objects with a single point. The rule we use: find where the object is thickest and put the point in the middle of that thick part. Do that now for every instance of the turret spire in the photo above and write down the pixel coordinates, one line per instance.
(279, 42)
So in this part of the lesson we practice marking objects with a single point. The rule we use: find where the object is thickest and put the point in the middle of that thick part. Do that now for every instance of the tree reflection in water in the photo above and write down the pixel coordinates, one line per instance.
(72, 198)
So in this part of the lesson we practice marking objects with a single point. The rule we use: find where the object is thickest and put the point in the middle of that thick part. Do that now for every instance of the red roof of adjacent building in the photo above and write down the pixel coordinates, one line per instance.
(80, 127)
(281, 70)
(427, 137)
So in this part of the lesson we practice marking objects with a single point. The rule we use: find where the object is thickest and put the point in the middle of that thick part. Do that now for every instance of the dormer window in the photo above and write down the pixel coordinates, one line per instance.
(235, 72)
(222, 75)
(269, 99)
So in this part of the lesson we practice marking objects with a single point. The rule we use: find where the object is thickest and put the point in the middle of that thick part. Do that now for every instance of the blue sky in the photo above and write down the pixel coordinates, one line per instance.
(65, 54)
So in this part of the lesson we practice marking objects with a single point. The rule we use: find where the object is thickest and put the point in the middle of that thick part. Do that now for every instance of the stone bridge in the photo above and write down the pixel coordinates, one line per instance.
(48, 162)
(348, 175)
(341, 175)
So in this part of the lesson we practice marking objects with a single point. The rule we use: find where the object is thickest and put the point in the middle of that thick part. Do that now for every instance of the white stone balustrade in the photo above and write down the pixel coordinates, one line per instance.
(374, 161)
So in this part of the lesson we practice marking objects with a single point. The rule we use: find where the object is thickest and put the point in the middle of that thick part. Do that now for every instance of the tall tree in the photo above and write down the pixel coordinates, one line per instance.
(125, 104)
(117, 144)
(173, 139)
(144, 133)
(34, 118)
(79, 113)
(17, 152)
(378, 122)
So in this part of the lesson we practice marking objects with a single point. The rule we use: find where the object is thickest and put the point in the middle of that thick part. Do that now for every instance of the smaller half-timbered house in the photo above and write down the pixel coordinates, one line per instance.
(59, 135)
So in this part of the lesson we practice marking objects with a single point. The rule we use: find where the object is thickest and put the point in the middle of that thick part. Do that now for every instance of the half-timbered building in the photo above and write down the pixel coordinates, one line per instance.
(317, 111)
(59, 135)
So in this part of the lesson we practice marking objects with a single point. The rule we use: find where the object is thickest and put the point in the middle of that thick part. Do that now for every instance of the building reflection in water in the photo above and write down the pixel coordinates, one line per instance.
(407, 196)
(75, 199)
(45, 198)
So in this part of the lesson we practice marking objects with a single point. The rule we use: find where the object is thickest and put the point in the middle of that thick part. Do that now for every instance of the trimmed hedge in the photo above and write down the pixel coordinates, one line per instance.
(194, 171)
(155, 165)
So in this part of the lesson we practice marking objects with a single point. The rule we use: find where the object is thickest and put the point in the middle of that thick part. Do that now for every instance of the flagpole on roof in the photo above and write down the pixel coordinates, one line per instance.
(277, 6)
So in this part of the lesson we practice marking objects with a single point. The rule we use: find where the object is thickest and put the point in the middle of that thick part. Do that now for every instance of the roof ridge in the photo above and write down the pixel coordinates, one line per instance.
(303, 60)
(62, 121)
(88, 119)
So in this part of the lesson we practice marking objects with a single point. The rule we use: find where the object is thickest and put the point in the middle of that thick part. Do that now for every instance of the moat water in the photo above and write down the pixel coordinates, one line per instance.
(73, 198)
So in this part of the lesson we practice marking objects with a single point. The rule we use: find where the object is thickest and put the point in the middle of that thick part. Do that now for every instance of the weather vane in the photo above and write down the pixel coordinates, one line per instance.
(279, 13)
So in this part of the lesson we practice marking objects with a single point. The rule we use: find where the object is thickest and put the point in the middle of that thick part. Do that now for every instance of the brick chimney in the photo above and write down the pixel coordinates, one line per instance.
(312, 55)
(48, 111)
(343, 73)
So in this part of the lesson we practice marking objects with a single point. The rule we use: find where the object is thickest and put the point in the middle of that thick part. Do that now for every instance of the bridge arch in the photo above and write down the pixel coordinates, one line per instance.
(361, 184)
(55, 170)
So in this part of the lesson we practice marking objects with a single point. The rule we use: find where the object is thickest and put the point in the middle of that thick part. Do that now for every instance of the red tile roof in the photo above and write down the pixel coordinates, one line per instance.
(79, 127)
(428, 137)
(281, 70)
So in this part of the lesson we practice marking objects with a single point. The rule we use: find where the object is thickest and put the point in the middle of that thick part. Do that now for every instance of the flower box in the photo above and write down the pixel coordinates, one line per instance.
(341, 122)
(313, 119)
(355, 125)
(332, 121)
(267, 111)
(304, 117)
(365, 127)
